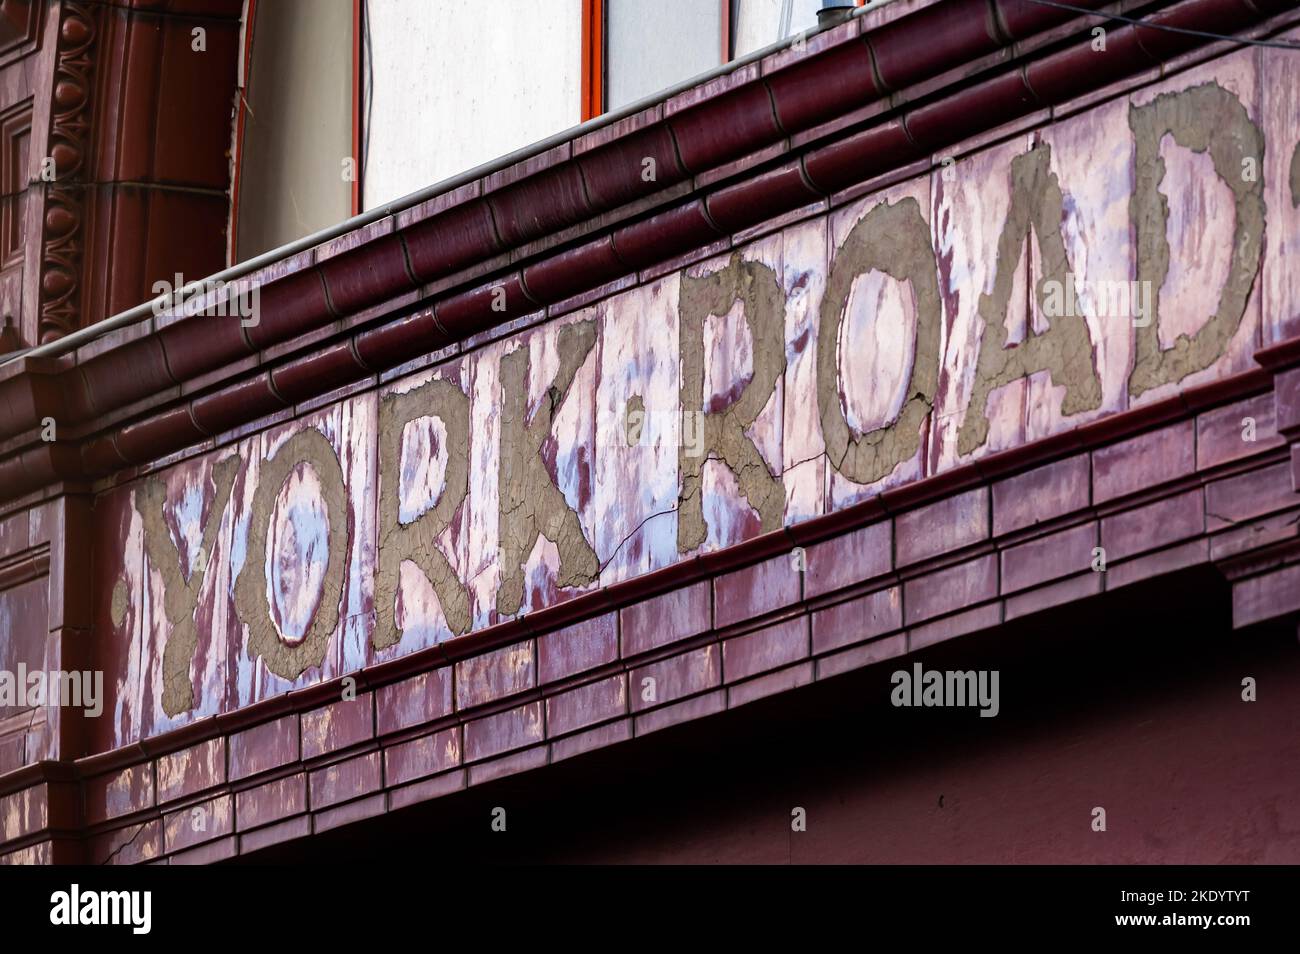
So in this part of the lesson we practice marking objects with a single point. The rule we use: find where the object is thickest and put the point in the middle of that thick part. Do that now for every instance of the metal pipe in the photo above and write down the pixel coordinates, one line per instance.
(123, 319)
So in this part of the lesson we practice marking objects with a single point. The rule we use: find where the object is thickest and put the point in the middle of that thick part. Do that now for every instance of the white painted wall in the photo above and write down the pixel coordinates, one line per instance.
(456, 83)
(653, 44)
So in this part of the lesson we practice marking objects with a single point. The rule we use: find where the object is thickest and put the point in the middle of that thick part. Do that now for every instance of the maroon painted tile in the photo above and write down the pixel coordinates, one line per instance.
(1048, 557)
(1054, 594)
(924, 43)
(274, 800)
(1146, 528)
(1040, 494)
(525, 761)
(595, 702)
(665, 619)
(950, 589)
(195, 824)
(577, 648)
(119, 793)
(765, 649)
(803, 98)
(945, 525)
(756, 590)
(959, 624)
(495, 675)
(191, 770)
(1160, 563)
(344, 780)
(868, 654)
(1144, 461)
(1267, 596)
(1221, 434)
(276, 834)
(592, 739)
(1236, 499)
(367, 274)
(675, 677)
(725, 126)
(348, 813)
(264, 747)
(856, 620)
(127, 846)
(495, 734)
(414, 701)
(851, 558)
(435, 787)
(697, 708)
(210, 853)
(418, 758)
(337, 726)
(792, 677)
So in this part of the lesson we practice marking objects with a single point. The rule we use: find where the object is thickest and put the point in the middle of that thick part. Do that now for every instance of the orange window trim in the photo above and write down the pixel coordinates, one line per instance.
(357, 105)
(593, 59)
(238, 158)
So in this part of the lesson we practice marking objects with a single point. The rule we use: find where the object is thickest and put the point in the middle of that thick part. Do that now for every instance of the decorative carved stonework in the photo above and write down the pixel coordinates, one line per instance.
(61, 230)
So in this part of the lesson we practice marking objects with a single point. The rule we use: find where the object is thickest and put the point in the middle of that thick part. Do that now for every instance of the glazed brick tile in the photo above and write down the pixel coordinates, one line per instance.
(577, 648)
(1048, 557)
(24, 812)
(414, 701)
(665, 619)
(525, 761)
(1054, 594)
(688, 711)
(264, 747)
(198, 823)
(1040, 494)
(264, 804)
(855, 620)
(868, 654)
(783, 680)
(430, 788)
(127, 846)
(287, 830)
(942, 526)
(1160, 563)
(345, 780)
(191, 770)
(348, 813)
(950, 589)
(1155, 525)
(1147, 460)
(848, 559)
(765, 649)
(422, 757)
(1266, 596)
(959, 624)
(677, 676)
(578, 708)
(1257, 533)
(579, 743)
(1286, 399)
(119, 793)
(337, 726)
(756, 590)
(1220, 434)
(210, 853)
(1252, 494)
(495, 734)
(495, 675)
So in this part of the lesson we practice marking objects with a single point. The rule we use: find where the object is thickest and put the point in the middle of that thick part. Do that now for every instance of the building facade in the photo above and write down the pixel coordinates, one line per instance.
(951, 334)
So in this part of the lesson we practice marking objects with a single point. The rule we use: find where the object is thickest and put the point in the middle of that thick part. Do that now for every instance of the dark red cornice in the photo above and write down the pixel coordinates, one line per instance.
(845, 110)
